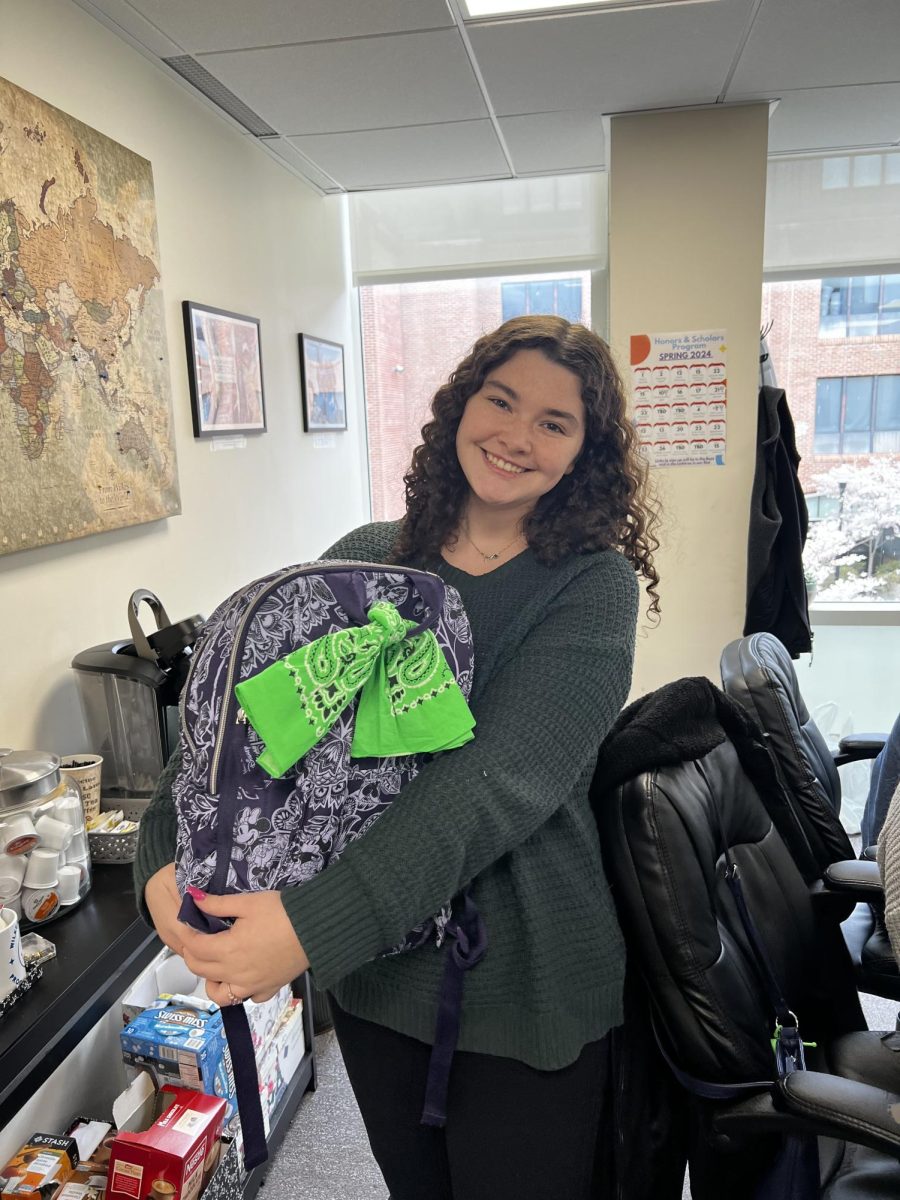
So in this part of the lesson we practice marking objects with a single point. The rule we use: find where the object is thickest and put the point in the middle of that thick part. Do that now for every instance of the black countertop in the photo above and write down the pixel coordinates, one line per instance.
(100, 947)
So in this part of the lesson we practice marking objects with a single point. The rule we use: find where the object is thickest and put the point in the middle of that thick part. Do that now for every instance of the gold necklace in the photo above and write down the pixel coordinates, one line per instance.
(489, 557)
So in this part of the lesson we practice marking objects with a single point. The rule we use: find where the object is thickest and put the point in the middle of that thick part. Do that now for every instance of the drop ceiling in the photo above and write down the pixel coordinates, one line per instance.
(364, 94)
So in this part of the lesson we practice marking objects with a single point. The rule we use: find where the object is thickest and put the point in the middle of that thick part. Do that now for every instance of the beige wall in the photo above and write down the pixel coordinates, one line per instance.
(687, 207)
(238, 232)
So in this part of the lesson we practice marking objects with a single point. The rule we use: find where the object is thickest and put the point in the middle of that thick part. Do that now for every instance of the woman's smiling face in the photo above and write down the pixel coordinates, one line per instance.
(521, 432)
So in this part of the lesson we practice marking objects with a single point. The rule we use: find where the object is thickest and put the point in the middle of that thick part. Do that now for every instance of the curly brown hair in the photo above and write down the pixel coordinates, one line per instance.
(604, 502)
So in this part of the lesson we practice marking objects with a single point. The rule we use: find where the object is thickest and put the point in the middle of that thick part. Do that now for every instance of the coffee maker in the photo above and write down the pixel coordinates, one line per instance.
(129, 693)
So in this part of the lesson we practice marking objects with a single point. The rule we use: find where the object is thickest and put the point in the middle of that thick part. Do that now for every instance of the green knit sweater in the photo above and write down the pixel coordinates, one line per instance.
(508, 813)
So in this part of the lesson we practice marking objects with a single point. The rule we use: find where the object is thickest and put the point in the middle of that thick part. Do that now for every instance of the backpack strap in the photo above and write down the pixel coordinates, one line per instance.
(467, 948)
(246, 1084)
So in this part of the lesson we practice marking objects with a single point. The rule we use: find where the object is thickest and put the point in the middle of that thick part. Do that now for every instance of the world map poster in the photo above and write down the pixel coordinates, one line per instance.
(86, 436)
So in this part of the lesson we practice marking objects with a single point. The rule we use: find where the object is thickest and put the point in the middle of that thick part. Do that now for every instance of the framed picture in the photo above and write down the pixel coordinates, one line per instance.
(322, 382)
(224, 370)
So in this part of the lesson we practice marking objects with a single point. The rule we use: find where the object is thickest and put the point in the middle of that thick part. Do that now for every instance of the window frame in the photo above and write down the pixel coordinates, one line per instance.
(528, 284)
(848, 287)
(872, 429)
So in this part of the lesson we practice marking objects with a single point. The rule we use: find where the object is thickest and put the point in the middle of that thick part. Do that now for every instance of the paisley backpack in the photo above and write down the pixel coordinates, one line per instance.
(261, 815)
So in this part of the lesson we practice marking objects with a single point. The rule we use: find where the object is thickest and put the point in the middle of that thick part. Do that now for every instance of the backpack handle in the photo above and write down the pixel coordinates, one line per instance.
(141, 644)
(429, 587)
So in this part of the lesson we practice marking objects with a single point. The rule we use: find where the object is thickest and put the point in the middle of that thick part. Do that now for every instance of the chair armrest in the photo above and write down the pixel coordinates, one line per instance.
(857, 746)
(855, 878)
(870, 854)
(842, 1108)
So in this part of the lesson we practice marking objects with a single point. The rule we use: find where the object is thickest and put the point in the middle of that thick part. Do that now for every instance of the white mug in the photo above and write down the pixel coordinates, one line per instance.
(12, 964)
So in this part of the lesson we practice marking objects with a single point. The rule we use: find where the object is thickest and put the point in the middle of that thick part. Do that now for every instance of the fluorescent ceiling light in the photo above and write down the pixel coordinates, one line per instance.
(506, 8)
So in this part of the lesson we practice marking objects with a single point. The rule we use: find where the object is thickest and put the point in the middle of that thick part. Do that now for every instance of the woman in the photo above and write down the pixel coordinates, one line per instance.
(527, 496)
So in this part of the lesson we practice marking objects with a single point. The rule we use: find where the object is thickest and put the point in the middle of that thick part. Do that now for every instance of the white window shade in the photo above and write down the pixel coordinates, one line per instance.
(832, 212)
(479, 228)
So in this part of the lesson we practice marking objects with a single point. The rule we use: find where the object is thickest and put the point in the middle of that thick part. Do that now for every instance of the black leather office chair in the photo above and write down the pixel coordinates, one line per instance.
(758, 672)
(664, 835)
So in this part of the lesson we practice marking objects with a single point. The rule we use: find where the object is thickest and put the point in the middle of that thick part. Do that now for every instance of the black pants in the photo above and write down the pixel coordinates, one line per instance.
(512, 1133)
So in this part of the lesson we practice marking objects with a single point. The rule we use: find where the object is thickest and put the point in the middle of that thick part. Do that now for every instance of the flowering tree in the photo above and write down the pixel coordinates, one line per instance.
(842, 550)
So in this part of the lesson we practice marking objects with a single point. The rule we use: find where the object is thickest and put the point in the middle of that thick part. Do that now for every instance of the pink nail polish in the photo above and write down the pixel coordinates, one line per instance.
(196, 894)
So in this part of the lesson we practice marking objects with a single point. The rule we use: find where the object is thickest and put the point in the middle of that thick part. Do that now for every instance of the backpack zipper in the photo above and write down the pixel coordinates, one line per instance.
(187, 683)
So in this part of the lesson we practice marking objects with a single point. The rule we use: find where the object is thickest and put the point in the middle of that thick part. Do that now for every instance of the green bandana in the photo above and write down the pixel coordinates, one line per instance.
(410, 701)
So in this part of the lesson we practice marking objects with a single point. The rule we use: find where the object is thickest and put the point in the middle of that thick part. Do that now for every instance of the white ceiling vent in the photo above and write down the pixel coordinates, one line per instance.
(188, 68)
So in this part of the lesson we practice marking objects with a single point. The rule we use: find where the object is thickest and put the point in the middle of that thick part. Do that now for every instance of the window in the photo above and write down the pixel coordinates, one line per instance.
(820, 507)
(559, 296)
(858, 414)
(862, 170)
(860, 306)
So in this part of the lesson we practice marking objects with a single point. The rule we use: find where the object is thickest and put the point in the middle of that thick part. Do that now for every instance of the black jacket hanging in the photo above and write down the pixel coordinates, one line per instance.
(776, 589)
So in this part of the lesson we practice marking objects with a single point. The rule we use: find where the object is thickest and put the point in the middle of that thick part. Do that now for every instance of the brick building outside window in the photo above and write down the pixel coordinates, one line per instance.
(835, 348)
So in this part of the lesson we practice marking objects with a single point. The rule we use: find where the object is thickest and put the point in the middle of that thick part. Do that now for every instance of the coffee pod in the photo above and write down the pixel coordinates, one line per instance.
(83, 864)
(18, 835)
(13, 902)
(42, 870)
(69, 884)
(69, 809)
(12, 872)
(78, 847)
(39, 904)
(55, 835)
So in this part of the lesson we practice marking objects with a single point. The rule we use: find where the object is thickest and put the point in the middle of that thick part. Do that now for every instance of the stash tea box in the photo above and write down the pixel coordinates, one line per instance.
(39, 1167)
(175, 1157)
(182, 1043)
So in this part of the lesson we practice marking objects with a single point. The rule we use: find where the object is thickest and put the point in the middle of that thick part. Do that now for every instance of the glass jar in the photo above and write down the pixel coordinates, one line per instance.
(45, 859)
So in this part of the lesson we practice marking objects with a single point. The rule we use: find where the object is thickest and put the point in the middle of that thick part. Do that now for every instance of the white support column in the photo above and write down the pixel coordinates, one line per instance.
(687, 210)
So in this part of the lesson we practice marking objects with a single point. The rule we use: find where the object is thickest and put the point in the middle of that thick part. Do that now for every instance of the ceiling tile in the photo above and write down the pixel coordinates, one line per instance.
(824, 118)
(299, 163)
(820, 43)
(541, 143)
(128, 23)
(410, 79)
(384, 158)
(199, 25)
(610, 62)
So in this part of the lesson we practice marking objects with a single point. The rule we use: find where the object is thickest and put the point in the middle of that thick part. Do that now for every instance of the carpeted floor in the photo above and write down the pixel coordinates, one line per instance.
(326, 1155)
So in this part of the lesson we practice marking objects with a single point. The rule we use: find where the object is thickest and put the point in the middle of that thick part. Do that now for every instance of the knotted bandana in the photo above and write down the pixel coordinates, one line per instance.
(410, 701)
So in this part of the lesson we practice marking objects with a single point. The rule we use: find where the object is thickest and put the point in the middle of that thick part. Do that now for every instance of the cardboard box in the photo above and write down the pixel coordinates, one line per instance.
(175, 1157)
(169, 975)
(263, 1018)
(87, 1182)
(44, 1162)
(183, 1045)
(281, 1058)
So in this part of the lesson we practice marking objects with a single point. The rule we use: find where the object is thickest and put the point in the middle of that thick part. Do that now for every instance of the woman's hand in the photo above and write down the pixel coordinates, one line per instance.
(258, 955)
(163, 900)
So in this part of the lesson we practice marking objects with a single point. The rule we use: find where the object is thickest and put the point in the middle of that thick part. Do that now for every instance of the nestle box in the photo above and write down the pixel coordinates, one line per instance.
(182, 1044)
(42, 1163)
(175, 1157)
